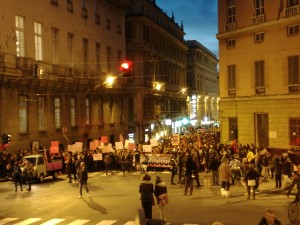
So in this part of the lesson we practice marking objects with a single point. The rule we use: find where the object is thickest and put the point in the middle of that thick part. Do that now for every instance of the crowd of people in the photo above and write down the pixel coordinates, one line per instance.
(222, 165)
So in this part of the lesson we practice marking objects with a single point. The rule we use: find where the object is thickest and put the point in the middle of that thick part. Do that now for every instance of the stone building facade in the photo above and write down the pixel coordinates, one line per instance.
(259, 72)
(203, 84)
(55, 56)
(155, 44)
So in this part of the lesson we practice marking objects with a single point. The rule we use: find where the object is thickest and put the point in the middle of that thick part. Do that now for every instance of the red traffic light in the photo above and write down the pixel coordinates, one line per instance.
(126, 68)
(126, 65)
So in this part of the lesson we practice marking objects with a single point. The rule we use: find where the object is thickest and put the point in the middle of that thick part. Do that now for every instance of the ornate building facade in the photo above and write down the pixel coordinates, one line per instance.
(55, 56)
(203, 84)
(155, 44)
(259, 72)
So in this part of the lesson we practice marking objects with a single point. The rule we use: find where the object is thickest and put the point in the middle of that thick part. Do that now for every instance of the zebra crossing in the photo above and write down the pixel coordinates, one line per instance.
(28, 221)
(54, 221)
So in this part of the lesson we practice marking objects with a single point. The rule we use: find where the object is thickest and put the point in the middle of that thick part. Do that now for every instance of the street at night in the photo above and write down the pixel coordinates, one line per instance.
(114, 199)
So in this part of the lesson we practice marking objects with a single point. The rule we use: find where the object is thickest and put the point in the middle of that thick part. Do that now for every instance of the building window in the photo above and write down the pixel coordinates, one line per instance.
(84, 9)
(119, 30)
(291, 3)
(259, 7)
(87, 111)
(55, 44)
(73, 112)
(98, 57)
(20, 39)
(260, 73)
(108, 22)
(38, 41)
(259, 37)
(70, 5)
(231, 77)
(128, 30)
(231, 43)
(23, 114)
(293, 69)
(97, 12)
(100, 111)
(295, 131)
(41, 112)
(108, 58)
(57, 113)
(293, 29)
(71, 49)
(85, 55)
(231, 11)
(111, 112)
(233, 128)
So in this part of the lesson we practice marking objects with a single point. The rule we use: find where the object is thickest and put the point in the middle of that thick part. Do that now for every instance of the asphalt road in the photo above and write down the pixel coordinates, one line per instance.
(115, 199)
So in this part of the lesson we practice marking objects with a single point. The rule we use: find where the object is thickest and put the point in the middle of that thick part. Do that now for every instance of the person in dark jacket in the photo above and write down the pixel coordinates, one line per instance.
(83, 177)
(17, 175)
(213, 165)
(190, 168)
(174, 168)
(160, 192)
(252, 175)
(269, 219)
(278, 172)
(146, 189)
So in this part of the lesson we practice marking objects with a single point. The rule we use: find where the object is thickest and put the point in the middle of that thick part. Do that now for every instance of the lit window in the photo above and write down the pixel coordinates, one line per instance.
(23, 114)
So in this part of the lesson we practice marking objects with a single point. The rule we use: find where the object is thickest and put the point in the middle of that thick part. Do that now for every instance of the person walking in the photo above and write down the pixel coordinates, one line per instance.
(17, 175)
(146, 189)
(28, 173)
(83, 178)
(252, 180)
(160, 192)
(225, 176)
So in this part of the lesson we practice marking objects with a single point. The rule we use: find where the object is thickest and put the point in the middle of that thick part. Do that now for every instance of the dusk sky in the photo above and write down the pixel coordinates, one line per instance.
(200, 19)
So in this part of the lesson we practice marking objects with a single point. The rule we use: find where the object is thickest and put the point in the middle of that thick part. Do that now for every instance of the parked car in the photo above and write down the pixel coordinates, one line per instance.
(43, 167)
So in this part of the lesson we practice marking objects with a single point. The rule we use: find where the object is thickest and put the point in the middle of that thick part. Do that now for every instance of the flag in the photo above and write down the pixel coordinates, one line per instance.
(280, 9)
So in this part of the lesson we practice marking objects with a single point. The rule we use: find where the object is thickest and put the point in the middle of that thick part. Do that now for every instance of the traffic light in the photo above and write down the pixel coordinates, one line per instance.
(6, 139)
(126, 69)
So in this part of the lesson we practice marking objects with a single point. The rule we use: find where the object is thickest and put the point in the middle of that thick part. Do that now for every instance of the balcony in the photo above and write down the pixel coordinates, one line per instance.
(260, 91)
(294, 89)
(230, 27)
(232, 93)
(258, 19)
(292, 11)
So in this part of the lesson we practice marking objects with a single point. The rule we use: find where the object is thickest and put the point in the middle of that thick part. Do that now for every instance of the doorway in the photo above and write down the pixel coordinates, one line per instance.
(262, 130)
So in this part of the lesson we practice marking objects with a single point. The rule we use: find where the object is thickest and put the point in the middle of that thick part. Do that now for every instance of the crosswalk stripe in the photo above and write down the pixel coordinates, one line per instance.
(28, 221)
(7, 220)
(79, 222)
(130, 223)
(106, 222)
(53, 221)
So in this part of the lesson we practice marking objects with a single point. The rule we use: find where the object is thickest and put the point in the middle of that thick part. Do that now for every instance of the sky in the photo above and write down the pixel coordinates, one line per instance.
(200, 19)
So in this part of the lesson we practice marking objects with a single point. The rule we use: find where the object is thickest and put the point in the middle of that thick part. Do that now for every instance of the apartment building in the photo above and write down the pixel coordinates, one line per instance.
(259, 72)
(55, 56)
(203, 85)
(155, 45)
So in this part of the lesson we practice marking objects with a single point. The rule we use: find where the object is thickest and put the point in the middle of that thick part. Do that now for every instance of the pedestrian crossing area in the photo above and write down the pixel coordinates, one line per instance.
(54, 221)
(41, 221)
